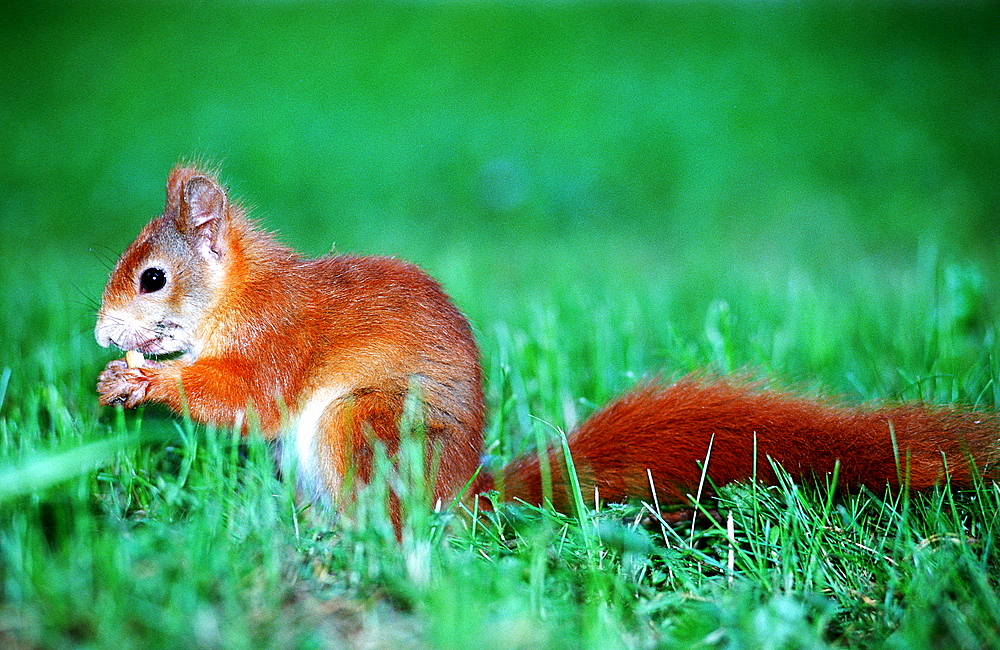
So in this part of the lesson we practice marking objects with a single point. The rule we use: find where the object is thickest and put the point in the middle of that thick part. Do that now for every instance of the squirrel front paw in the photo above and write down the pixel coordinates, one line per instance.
(119, 384)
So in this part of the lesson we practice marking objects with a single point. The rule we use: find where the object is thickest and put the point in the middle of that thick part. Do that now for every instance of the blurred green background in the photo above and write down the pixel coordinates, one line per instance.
(609, 191)
(686, 147)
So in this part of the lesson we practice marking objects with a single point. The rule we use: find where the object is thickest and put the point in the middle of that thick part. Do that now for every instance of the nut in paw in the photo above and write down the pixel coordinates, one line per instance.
(119, 384)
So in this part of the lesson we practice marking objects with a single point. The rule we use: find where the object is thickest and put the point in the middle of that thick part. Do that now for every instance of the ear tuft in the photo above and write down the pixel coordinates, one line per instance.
(178, 178)
(201, 210)
(203, 201)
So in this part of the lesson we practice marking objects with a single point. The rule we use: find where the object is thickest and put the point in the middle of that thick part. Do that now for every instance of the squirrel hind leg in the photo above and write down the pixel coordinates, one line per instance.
(339, 434)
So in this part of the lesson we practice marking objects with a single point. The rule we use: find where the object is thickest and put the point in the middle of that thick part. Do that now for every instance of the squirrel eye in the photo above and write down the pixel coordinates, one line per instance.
(151, 280)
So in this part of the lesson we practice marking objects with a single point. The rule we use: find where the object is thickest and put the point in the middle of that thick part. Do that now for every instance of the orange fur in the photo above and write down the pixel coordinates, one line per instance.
(668, 431)
(329, 349)
(270, 329)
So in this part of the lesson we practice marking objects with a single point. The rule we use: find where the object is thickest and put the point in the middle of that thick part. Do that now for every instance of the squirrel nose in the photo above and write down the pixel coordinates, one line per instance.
(101, 333)
(103, 340)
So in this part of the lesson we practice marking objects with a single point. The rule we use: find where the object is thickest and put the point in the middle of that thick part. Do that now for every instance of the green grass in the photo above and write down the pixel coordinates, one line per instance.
(610, 192)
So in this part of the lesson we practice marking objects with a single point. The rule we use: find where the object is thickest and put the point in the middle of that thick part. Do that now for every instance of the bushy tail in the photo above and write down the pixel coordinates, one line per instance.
(662, 435)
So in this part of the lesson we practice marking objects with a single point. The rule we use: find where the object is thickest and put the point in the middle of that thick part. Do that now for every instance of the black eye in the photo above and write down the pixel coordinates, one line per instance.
(151, 280)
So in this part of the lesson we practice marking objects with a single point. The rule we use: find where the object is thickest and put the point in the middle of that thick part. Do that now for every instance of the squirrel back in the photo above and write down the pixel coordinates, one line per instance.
(327, 352)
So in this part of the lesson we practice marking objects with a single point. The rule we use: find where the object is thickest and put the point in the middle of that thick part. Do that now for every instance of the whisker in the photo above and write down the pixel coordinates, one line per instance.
(106, 256)
(88, 301)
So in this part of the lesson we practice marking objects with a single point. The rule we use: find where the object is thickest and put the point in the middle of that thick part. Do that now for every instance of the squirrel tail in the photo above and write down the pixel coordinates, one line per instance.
(662, 436)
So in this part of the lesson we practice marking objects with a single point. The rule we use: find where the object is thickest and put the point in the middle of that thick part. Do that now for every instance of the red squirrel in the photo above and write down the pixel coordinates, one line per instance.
(324, 352)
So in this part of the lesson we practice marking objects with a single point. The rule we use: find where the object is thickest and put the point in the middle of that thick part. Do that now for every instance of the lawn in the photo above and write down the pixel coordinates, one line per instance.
(611, 192)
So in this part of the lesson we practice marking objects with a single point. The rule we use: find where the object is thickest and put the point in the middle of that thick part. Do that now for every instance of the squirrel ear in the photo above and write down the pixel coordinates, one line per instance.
(202, 214)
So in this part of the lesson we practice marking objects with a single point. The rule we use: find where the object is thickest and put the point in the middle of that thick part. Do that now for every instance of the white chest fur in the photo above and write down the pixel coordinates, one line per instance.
(316, 474)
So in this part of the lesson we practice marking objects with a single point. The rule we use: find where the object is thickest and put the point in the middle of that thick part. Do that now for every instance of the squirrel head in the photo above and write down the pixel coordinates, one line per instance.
(165, 283)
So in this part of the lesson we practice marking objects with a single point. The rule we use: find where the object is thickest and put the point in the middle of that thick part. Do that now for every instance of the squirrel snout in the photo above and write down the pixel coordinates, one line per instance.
(113, 329)
(102, 332)
(127, 333)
